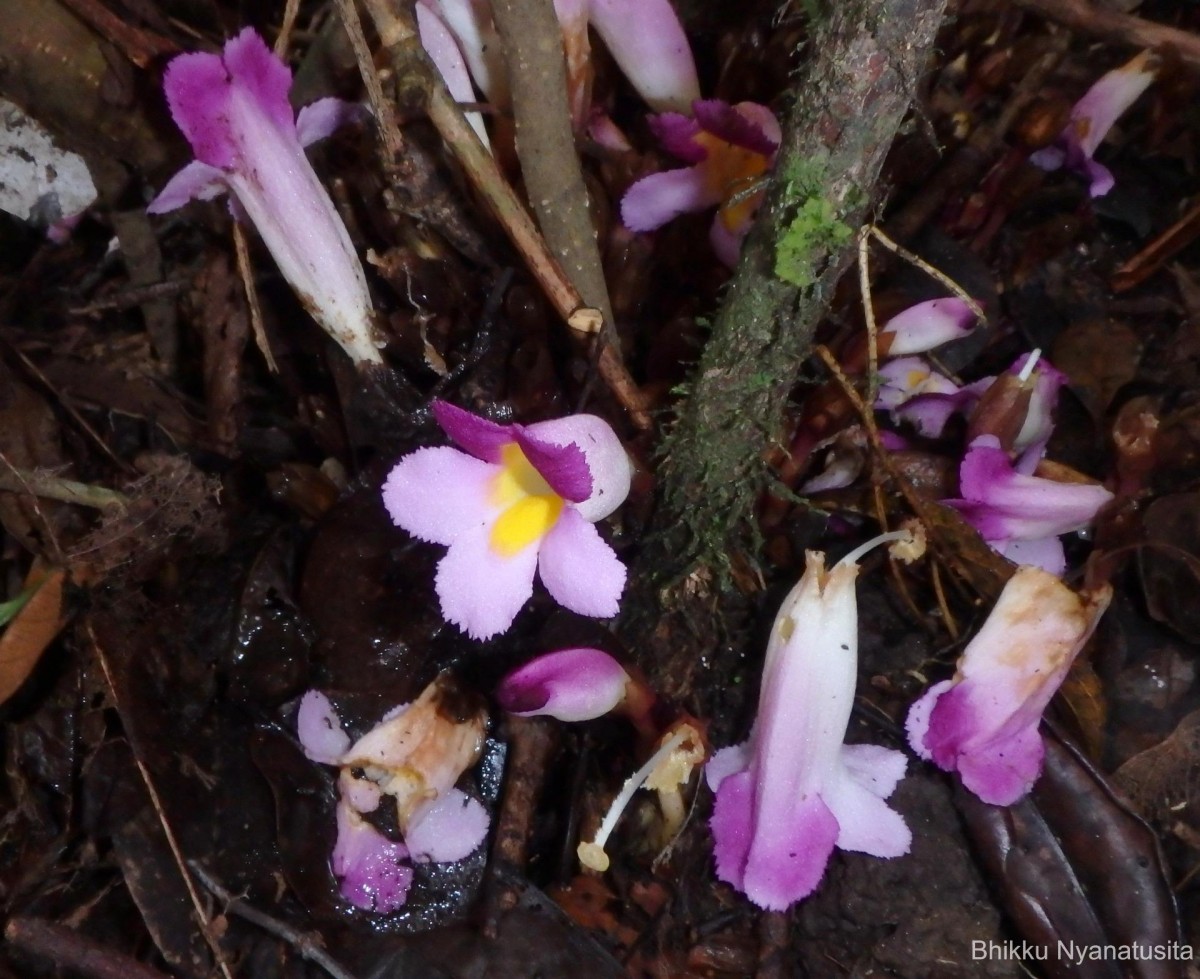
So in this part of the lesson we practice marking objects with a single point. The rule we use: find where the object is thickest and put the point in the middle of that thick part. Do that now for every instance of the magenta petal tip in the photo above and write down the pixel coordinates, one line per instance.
(576, 684)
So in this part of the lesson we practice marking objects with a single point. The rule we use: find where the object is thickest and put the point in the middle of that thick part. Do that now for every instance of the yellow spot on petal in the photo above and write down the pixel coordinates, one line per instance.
(530, 508)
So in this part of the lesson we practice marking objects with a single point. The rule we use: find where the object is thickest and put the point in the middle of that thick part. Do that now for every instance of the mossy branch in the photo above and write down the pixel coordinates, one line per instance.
(849, 102)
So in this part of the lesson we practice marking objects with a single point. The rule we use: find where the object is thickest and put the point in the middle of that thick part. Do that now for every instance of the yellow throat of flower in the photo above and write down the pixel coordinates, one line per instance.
(732, 172)
(529, 507)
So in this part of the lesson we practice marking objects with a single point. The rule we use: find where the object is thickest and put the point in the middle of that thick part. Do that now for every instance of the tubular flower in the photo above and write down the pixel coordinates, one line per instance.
(983, 723)
(1019, 515)
(415, 755)
(794, 791)
(577, 684)
(1091, 119)
(233, 108)
(646, 41)
(925, 326)
(729, 147)
(520, 500)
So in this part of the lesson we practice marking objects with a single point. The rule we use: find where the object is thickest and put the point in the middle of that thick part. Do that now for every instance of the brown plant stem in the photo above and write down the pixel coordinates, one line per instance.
(416, 74)
(68, 949)
(848, 103)
(546, 145)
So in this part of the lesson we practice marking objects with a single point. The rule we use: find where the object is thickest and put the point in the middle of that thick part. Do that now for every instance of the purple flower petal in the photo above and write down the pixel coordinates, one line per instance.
(1045, 553)
(654, 200)
(787, 860)
(727, 244)
(195, 182)
(262, 76)
(747, 125)
(647, 42)
(606, 459)
(482, 438)
(480, 591)
(320, 729)
(916, 726)
(1002, 773)
(198, 93)
(449, 828)
(677, 133)
(579, 570)
(732, 825)
(1091, 119)
(866, 824)
(728, 761)
(1005, 505)
(563, 467)
(927, 325)
(374, 874)
(321, 119)
(877, 769)
(1107, 100)
(438, 494)
(576, 684)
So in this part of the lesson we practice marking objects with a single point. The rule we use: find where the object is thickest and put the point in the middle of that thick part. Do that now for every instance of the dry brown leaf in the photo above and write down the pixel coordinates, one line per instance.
(32, 629)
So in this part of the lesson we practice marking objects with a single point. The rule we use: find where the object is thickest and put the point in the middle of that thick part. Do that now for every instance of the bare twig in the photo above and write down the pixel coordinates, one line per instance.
(242, 251)
(201, 916)
(1112, 25)
(68, 949)
(546, 145)
(284, 37)
(309, 947)
(399, 37)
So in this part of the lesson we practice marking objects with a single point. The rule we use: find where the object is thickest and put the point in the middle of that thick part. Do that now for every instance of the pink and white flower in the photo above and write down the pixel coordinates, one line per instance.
(1091, 119)
(794, 791)
(925, 326)
(983, 723)
(415, 755)
(1019, 515)
(911, 390)
(646, 41)
(233, 108)
(730, 147)
(644, 38)
(520, 500)
(578, 684)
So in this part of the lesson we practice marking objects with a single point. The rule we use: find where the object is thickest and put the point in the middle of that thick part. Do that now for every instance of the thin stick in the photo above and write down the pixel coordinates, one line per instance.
(864, 286)
(309, 947)
(284, 37)
(205, 925)
(242, 250)
(947, 615)
(929, 270)
(399, 38)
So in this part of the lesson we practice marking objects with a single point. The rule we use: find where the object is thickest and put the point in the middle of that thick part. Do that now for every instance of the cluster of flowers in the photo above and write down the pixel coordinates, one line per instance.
(515, 502)
(1009, 422)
